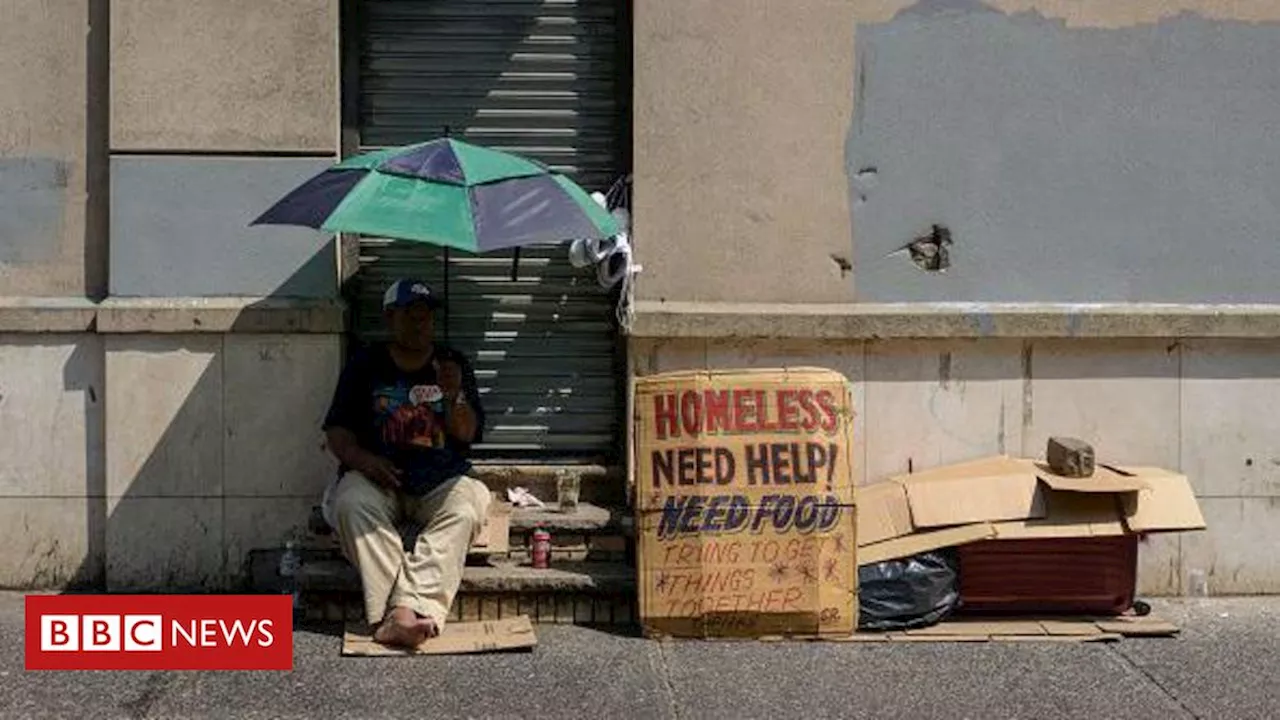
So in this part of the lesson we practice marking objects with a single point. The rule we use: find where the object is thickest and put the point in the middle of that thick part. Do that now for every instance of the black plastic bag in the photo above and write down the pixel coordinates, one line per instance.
(912, 592)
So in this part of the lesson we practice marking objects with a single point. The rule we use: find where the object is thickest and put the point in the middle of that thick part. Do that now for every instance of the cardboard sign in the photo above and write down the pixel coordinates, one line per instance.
(746, 503)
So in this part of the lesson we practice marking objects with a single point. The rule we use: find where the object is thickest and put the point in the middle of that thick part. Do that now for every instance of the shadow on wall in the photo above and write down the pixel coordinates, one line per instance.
(209, 442)
(212, 445)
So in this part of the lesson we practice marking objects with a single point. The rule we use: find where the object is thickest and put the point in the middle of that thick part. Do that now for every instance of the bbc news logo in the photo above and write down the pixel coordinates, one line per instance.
(159, 632)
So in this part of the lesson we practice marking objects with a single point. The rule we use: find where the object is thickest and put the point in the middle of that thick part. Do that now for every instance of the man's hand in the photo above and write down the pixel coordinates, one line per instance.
(380, 471)
(449, 376)
(462, 420)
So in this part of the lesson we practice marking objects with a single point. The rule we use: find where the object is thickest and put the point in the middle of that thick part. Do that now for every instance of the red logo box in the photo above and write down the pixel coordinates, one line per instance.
(159, 632)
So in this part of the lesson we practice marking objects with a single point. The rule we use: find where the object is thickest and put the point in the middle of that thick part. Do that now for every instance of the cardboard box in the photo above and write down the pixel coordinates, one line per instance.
(745, 500)
(1011, 498)
(495, 533)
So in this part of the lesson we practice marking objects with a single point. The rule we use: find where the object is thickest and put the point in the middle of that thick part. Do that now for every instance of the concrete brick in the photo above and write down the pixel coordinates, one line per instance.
(50, 542)
(847, 358)
(165, 543)
(1237, 551)
(224, 75)
(609, 544)
(253, 523)
(180, 227)
(314, 611)
(623, 612)
(1230, 428)
(334, 611)
(164, 420)
(51, 392)
(490, 608)
(509, 606)
(582, 610)
(546, 608)
(527, 605)
(564, 610)
(43, 101)
(1070, 457)
(1120, 396)
(602, 611)
(276, 390)
(937, 402)
(470, 608)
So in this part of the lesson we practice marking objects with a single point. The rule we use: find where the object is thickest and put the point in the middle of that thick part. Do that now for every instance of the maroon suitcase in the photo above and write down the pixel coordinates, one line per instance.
(1055, 576)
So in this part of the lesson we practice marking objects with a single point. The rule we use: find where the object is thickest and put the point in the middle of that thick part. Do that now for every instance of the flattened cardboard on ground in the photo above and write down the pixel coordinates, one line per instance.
(745, 503)
(1083, 629)
(1020, 499)
(458, 638)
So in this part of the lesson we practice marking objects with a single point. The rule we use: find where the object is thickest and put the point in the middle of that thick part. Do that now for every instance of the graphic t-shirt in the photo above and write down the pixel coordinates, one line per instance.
(401, 415)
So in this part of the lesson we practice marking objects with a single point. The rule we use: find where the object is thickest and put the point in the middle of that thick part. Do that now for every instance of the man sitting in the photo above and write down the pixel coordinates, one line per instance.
(402, 422)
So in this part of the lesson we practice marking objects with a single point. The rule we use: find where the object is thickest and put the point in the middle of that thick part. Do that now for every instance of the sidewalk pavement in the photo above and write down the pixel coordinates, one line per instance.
(1225, 664)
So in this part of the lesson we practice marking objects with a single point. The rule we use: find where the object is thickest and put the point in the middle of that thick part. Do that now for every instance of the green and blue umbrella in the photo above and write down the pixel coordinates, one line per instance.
(448, 193)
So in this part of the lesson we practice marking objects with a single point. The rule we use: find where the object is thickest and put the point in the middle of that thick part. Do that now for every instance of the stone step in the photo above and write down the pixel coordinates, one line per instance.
(545, 608)
(579, 593)
(590, 578)
(599, 484)
(587, 519)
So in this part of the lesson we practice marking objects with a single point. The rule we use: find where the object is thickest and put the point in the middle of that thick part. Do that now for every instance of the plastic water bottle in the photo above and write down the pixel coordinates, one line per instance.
(1197, 583)
(290, 564)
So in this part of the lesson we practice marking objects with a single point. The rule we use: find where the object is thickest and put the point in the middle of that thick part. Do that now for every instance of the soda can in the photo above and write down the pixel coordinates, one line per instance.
(540, 552)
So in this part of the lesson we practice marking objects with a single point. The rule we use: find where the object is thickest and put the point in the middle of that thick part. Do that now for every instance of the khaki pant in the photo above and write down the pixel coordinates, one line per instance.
(427, 578)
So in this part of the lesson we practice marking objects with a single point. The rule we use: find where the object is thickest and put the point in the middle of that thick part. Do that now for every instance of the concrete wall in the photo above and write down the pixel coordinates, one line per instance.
(225, 456)
(1197, 406)
(1069, 164)
(163, 469)
(180, 227)
(229, 75)
(239, 79)
(1104, 151)
(739, 123)
(154, 436)
(43, 147)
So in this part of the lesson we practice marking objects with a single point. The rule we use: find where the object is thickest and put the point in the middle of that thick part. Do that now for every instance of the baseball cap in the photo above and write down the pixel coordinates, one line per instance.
(406, 291)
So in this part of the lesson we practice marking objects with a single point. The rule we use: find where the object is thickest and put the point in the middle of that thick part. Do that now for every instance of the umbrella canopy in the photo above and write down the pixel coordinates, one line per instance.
(445, 192)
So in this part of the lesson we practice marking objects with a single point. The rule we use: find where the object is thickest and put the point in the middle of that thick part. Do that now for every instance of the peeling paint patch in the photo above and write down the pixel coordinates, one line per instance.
(1076, 164)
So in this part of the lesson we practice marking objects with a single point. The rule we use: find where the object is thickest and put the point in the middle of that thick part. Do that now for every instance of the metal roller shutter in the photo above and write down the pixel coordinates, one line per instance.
(536, 77)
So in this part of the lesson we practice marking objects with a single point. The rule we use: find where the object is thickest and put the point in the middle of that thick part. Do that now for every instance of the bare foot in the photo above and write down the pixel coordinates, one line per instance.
(428, 627)
(400, 628)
